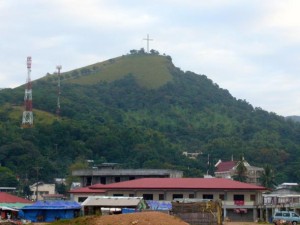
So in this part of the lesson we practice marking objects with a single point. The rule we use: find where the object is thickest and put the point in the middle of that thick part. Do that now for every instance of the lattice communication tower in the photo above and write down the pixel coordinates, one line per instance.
(27, 119)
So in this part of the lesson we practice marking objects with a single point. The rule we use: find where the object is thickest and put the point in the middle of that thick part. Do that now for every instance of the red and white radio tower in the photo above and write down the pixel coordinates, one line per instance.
(27, 119)
(58, 91)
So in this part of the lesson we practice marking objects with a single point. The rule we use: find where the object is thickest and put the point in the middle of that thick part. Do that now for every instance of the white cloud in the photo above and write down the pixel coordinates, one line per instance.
(248, 47)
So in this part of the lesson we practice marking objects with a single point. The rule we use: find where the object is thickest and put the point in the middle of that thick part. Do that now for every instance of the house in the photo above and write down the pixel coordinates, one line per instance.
(8, 189)
(237, 198)
(108, 173)
(109, 204)
(49, 211)
(40, 188)
(227, 170)
(10, 205)
(283, 197)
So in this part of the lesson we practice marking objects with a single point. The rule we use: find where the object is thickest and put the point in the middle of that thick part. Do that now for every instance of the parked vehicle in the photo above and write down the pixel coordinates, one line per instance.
(282, 217)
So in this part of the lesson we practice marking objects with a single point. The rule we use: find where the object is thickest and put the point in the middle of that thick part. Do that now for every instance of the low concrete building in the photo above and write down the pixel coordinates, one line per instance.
(283, 197)
(239, 200)
(110, 204)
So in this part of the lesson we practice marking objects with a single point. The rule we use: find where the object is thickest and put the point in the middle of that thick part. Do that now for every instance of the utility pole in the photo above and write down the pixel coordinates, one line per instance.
(148, 39)
(37, 169)
(58, 91)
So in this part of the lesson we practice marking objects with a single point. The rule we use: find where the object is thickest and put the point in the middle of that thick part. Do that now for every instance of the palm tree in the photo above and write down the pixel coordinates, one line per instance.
(267, 178)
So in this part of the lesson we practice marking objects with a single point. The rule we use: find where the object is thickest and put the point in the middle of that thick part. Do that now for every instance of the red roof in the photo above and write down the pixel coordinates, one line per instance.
(180, 183)
(8, 198)
(225, 166)
(87, 190)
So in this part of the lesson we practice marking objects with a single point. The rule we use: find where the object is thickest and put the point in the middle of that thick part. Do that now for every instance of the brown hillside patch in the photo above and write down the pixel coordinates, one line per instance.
(144, 218)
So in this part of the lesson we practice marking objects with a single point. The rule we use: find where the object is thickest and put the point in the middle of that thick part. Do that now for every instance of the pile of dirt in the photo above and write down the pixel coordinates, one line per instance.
(8, 223)
(143, 218)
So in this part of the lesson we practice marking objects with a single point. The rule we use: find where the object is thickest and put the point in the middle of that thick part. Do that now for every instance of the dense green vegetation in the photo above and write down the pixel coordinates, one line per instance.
(141, 111)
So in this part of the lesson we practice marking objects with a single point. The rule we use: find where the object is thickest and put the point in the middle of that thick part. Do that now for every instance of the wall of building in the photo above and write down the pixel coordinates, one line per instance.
(42, 189)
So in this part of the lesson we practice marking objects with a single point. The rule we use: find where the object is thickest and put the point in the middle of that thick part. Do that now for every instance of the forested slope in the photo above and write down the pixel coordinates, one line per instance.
(143, 112)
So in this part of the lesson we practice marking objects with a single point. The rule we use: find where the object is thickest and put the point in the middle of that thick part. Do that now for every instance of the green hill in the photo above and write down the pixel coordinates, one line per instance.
(143, 112)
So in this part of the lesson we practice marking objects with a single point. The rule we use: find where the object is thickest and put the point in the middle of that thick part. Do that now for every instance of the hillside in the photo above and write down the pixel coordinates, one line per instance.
(141, 111)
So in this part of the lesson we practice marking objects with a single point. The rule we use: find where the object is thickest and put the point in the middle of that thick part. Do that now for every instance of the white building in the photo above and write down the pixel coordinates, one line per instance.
(39, 189)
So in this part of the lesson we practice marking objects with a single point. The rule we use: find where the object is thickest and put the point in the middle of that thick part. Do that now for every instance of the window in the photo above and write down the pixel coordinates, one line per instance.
(238, 197)
(131, 178)
(131, 195)
(177, 196)
(148, 196)
(208, 196)
(161, 197)
(222, 197)
(252, 198)
(117, 179)
(118, 195)
(103, 180)
(191, 196)
(88, 181)
(82, 199)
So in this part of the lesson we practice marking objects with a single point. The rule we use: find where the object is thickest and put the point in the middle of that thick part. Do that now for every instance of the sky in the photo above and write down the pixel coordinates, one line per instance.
(250, 47)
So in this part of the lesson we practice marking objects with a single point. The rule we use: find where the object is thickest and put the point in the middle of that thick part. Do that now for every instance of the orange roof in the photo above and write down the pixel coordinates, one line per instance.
(8, 198)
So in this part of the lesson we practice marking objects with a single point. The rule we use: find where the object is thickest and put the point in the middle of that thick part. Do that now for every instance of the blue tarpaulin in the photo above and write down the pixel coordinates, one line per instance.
(49, 211)
(159, 205)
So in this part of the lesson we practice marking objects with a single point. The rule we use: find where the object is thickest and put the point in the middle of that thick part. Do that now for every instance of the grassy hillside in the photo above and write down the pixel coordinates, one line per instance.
(150, 71)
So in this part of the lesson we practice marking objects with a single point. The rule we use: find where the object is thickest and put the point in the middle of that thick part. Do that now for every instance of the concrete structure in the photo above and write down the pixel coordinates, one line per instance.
(239, 200)
(228, 170)
(111, 174)
(39, 189)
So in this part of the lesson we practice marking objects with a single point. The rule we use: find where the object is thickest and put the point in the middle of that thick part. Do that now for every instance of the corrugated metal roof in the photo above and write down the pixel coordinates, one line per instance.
(9, 198)
(15, 205)
(181, 183)
(87, 190)
(106, 201)
(225, 166)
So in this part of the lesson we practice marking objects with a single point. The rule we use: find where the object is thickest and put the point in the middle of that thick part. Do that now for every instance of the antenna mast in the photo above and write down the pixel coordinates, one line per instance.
(58, 91)
(27, 119)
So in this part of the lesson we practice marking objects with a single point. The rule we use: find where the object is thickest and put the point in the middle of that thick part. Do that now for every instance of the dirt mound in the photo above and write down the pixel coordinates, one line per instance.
(143, 218)
(7, 223)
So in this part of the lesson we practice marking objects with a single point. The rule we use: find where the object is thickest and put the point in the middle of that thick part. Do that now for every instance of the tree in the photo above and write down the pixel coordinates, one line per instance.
(267, 178)
(7, 178)
(61, 189)
(80, 163)
(241, 171)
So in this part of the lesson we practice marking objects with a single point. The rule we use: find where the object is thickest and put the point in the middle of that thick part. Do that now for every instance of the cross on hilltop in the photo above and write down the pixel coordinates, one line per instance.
(148, 39)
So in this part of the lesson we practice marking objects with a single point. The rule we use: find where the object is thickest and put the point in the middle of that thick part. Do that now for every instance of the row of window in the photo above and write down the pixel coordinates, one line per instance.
(161, 197)
(103, 180)
(239, 199)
